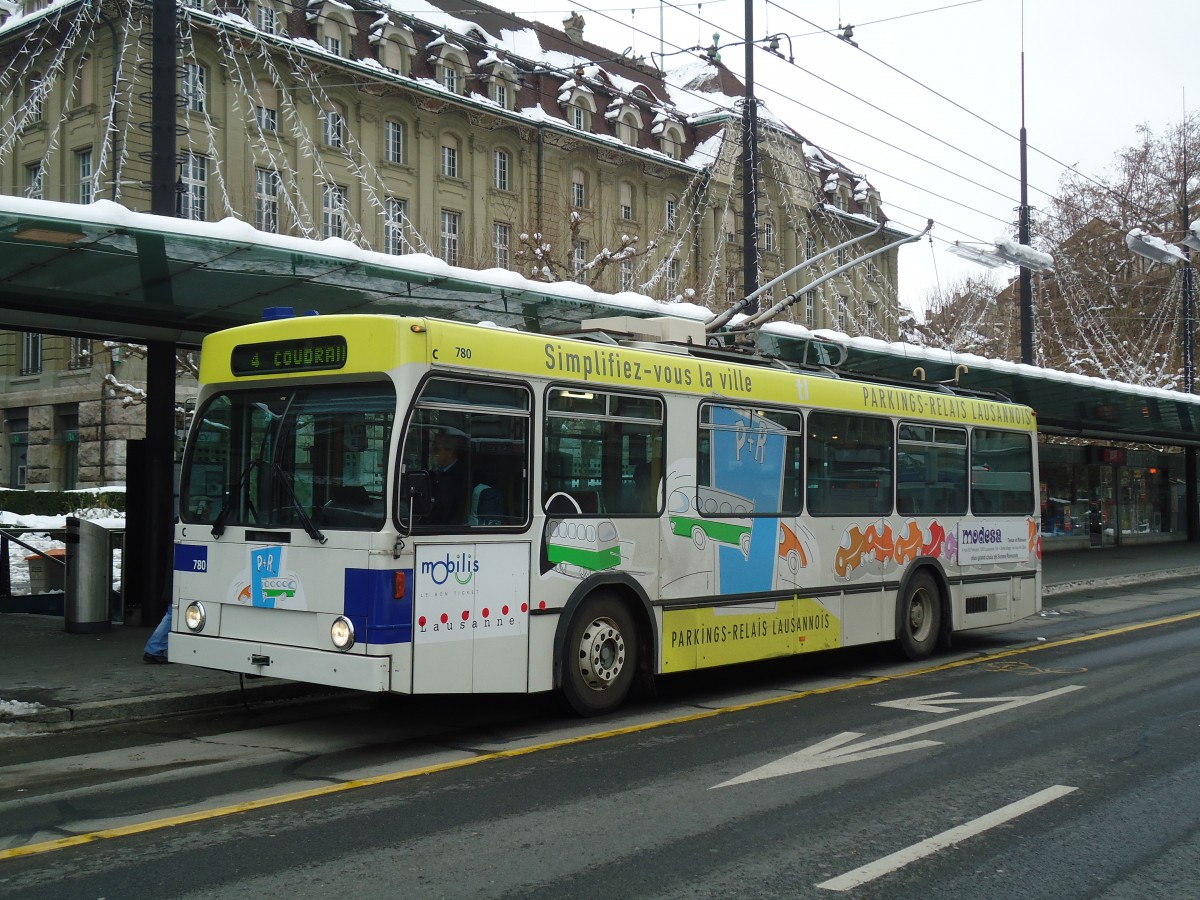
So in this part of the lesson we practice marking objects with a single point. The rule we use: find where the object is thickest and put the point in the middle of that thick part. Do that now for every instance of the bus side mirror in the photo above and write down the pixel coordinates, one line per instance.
(416, 495)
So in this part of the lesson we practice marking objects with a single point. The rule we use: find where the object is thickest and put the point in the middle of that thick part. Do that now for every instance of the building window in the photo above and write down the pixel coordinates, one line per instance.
(393, 146)
(451, 222)
(266, 200)
(671, 281)
(626, 279)
(195, 86)
(34, 99)
(193, 202)
(730, 230)
(333, 211)
(841, 314)
(449, 157)
(34, 181)
(579, 258)
(810, 246)
(501, 244)
(268, 119)
(672, 213)
(672, 143)
(840, 258)
(578, 189)
(500, 93)
(580, 117)
(81, 84)
(500, 160)
(333, 45)
(769, 237)
(334, 128)
(449, 77)
(395, 214)
(268, 20)
(810, 308)
(626, 201)
(79, 352)
(627, 129)
(83, 174)
(31, 353)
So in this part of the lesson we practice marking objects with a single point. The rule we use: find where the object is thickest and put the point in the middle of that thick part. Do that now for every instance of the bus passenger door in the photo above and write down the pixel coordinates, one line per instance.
(471, 617)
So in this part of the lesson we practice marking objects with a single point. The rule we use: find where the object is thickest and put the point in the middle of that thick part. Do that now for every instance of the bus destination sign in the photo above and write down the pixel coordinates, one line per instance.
(318, 354)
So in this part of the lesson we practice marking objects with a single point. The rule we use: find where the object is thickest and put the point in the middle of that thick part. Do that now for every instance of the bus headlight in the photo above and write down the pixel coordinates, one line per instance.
(193, 616)
(341, 632)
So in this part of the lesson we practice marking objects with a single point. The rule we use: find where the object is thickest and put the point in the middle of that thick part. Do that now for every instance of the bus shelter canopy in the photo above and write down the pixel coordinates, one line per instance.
(101, 270)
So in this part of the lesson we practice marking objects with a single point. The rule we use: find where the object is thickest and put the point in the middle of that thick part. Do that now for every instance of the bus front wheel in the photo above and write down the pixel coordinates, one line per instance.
(600, 656)
(919, 617)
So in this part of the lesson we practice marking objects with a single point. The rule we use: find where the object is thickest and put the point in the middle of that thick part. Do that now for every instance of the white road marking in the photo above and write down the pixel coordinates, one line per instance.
(840, 749)
(901, 858)
(939, 703)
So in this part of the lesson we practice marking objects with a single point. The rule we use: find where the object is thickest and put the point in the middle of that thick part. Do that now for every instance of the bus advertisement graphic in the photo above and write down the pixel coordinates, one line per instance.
(708, 636)
(747, 458)
(267, 583)
(467, 592)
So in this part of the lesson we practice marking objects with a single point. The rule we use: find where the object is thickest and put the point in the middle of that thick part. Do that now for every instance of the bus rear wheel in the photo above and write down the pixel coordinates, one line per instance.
(919, 617)
(600, 656)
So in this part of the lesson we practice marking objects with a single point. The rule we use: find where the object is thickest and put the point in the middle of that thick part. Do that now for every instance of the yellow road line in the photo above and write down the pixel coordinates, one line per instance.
(389, 777)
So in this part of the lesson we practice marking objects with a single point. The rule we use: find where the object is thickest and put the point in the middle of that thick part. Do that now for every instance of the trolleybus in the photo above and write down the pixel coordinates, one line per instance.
(421, 506)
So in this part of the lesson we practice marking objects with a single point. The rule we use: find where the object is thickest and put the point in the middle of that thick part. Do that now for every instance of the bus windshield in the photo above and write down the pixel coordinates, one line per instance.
(290, 457)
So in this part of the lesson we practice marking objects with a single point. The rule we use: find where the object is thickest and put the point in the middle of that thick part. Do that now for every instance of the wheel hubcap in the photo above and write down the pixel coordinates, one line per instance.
(601, 654)
(918, 616)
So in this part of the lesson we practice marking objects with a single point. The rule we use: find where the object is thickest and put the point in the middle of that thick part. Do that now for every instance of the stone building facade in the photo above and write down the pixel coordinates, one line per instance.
(476, 136)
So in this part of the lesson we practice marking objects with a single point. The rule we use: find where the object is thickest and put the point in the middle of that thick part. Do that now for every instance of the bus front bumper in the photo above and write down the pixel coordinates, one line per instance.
(345, 670)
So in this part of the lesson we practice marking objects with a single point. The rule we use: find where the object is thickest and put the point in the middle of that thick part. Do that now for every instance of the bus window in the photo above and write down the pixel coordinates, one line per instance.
(849, 465)
(278, 457)
(603, 453)
(931, 470)
(752, 454)
(1001, 473)
(473, 441)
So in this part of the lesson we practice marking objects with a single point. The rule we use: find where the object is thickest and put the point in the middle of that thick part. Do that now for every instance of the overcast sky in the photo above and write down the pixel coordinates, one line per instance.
(1094, 71)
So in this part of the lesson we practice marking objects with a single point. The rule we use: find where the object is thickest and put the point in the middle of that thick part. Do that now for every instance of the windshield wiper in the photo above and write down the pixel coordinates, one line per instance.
(218, 527)
(305, 520)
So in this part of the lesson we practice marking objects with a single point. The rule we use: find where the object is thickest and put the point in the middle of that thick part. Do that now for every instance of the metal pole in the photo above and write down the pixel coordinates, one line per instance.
(750, 172)
(1023, 238)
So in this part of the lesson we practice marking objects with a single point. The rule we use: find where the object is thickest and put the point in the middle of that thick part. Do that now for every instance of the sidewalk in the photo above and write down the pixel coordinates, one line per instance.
(88, 678)
(82, 678)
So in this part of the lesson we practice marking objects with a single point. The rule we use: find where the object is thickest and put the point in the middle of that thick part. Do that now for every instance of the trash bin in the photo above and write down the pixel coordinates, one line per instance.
(89, 578)
(45, 575)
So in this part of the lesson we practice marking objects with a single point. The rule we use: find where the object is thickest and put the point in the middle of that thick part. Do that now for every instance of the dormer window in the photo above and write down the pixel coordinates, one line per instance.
(578, 107)
(268, 18)
(672, 141)
(449, 77)
(629, 127)
(333, 44)
(395, 48)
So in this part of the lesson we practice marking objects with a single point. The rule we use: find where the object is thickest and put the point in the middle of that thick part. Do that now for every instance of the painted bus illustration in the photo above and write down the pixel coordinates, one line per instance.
(691, 516)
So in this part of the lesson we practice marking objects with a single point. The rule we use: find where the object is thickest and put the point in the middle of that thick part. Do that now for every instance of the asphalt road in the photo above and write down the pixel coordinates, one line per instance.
(1054, 759)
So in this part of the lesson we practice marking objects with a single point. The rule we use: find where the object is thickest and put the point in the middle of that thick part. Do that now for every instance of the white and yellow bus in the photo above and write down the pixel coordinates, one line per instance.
(418, 506)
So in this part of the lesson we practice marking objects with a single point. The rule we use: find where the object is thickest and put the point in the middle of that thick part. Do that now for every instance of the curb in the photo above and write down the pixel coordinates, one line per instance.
(182, 702)
(1116, 581)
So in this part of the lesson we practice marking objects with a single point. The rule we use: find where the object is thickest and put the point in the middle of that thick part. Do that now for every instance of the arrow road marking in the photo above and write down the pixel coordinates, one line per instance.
(931, 704)
(846, 747)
